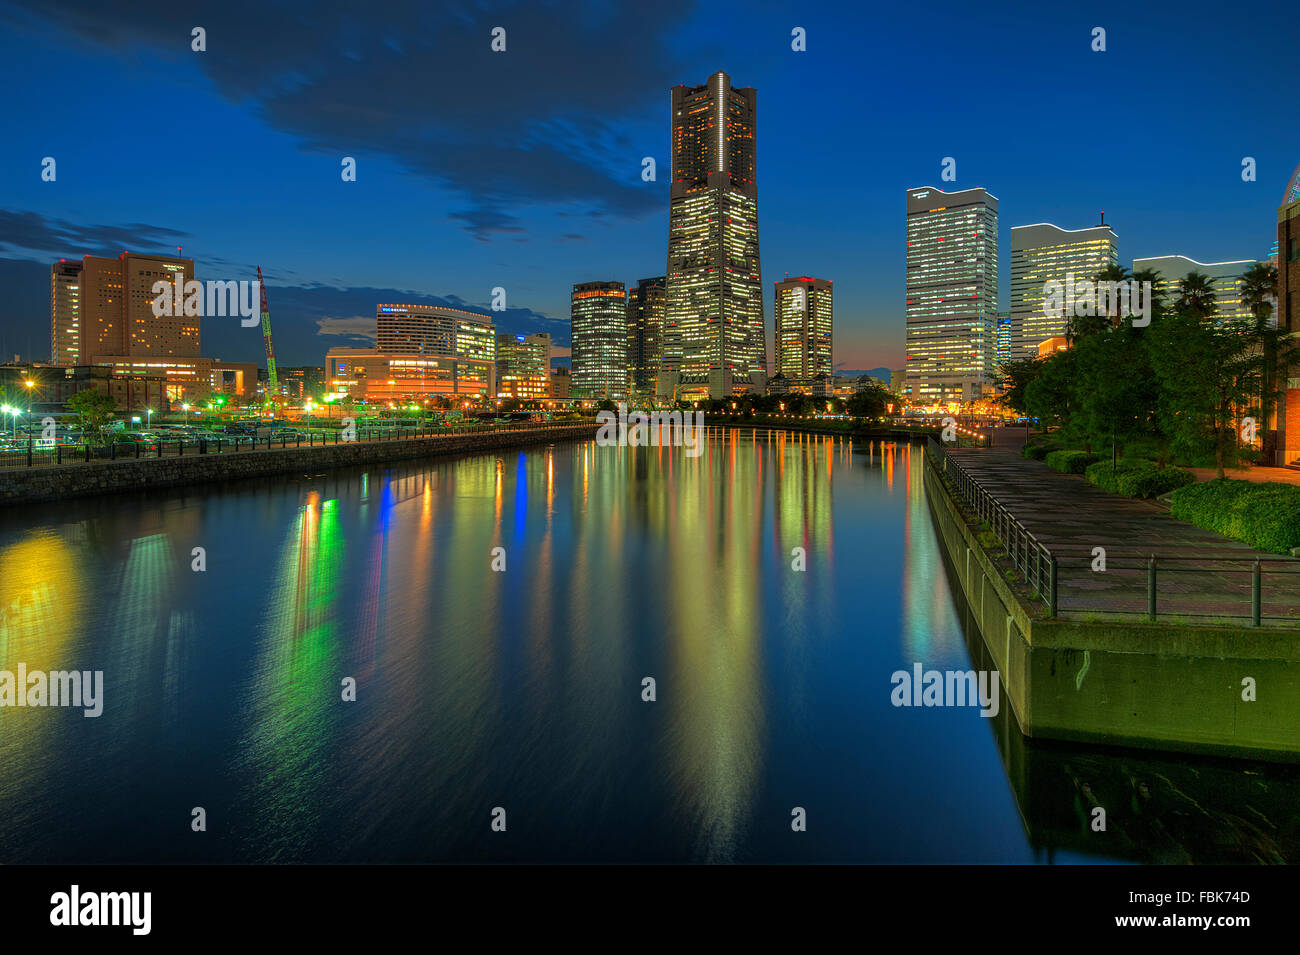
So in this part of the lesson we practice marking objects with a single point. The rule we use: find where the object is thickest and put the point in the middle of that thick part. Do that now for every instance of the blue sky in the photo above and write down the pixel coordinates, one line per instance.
(522, 169)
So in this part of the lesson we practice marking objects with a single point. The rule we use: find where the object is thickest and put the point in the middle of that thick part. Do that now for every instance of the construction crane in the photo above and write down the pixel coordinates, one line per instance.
(272, 379)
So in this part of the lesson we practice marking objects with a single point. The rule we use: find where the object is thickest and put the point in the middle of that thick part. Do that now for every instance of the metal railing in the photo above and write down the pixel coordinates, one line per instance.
(1027, 553)
(1041, 567)
(39, 454)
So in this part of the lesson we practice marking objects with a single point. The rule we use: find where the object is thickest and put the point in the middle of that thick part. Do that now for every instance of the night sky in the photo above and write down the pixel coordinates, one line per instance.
(522, 169)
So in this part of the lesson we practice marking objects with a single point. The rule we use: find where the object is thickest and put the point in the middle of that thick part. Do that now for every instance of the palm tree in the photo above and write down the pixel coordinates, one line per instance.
(1142, 276)
(1259, 289)
(1196, 295)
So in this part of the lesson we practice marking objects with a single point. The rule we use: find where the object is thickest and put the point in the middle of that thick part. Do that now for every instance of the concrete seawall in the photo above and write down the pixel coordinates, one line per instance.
(1152, 686)
(53, 483)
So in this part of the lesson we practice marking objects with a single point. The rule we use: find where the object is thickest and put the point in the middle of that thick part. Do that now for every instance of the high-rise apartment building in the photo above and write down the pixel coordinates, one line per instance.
(645, 329)
(598, 313)
(1043, 253)
(952, 289)
(1224, 276)
(523, 366)
(65, 313)
(804, 317)
(714, 335)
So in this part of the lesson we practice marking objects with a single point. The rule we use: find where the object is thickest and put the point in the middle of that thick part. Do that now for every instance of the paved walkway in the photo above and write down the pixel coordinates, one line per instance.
(1198, 572)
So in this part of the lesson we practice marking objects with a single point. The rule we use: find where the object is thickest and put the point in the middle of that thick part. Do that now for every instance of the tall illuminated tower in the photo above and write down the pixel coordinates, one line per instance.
(952, 292)
(714, 337)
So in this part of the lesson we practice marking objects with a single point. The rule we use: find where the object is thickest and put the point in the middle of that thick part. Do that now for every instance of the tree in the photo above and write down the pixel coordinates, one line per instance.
(94, 410)
(1113, 386)
(1014, 377)
(1196, 295)
(1209, 373)
(1259, 289)
(871, 402)
(1050, 396)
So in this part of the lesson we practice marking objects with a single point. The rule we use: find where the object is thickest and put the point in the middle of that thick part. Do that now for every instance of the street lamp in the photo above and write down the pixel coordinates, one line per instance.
(148, 418)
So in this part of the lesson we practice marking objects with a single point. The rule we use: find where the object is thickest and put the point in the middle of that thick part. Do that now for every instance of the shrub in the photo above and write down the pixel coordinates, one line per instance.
(1266, 516)
(1069, 462)
(1152, 482)
(1134, 477)
(1038, 447)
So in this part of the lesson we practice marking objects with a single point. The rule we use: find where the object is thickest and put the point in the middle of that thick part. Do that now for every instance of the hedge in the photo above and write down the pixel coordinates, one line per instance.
(1265, 515)
(1038, 448)
(1069, 462)
(1134, 477)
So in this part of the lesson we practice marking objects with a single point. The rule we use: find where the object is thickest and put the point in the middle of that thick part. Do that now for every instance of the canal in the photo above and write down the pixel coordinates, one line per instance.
(499, 616)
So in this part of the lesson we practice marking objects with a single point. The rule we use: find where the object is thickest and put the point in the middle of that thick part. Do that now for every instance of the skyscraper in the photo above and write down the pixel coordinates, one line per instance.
(714, 336)
(1043, 253)
(1224, 276)
(1002, 350)
(804, 317)
(65, 312)
(598, 312)
(523, 366)
(645, 328)
(952, 290)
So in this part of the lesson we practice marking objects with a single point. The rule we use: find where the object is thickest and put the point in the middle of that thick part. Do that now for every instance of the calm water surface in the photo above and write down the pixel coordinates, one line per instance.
(522, 689)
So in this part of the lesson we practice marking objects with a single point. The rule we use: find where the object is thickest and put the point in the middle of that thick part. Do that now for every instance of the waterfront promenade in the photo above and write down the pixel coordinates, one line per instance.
(1198, 573)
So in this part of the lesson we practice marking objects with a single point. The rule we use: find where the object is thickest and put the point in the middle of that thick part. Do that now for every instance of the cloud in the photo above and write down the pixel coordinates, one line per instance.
(563, 116)
(357, 326)
(31, 231)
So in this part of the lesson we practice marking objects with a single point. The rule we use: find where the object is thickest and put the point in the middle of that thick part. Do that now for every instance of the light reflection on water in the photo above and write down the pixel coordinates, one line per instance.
(521, 688)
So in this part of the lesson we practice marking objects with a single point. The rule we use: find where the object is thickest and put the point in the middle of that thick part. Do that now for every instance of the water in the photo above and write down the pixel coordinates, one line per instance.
(522, 689)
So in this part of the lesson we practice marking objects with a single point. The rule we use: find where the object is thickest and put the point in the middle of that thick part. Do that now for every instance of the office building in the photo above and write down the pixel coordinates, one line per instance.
(714, 336)
(645, 329)
(1224, 276)
(598, 312)
(561, 383)
(952, 286)
(804, 317)
(523, 366)
(1043, 253)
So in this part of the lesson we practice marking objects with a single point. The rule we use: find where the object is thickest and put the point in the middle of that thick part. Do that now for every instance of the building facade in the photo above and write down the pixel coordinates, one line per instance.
(1288, 316)
(952, 287)
(714, 333)
(598, 312)
(1043, 253)
(1224, 276)
(645, 330)
(804, 312)
(523, 366)
(65, 312)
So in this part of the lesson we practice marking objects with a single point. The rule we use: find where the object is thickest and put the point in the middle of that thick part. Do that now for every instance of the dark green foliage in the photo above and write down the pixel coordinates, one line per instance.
(1135, 477)
(1266, 515)
(1069, 462)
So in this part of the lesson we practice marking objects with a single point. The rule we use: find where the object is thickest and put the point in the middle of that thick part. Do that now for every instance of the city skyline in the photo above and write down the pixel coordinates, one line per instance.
(536, 229)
